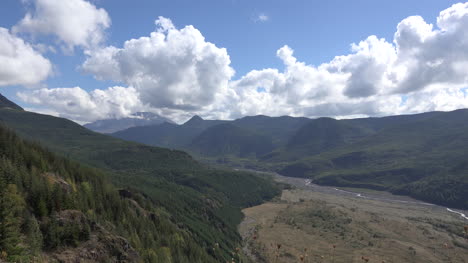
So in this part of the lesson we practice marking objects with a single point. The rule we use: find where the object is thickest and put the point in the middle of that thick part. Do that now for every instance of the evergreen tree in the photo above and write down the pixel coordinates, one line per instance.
(34, 234)
(11, 208)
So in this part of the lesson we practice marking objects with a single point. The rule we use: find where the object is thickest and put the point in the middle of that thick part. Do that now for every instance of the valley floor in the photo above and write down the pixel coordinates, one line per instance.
(323, 224)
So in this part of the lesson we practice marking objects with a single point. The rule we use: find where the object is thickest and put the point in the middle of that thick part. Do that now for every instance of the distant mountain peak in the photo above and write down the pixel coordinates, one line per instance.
(6, 103)
(194, 119)
(135, 120)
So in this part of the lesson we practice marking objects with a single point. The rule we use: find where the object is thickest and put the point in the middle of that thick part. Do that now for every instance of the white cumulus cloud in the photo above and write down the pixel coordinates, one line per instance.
(430, 56)
(178, 73)
(20, 63)
(172, 68)
(424, 64)
(73, 22)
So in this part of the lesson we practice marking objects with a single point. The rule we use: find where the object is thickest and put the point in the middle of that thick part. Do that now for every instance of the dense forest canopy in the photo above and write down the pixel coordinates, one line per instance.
(45, 190)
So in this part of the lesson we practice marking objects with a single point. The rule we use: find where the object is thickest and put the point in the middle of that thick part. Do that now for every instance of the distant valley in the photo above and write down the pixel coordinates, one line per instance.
(421, 155)
(80, 194)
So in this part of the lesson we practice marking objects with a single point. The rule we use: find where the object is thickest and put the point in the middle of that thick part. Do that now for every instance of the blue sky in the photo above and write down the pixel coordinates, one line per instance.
(317, 31)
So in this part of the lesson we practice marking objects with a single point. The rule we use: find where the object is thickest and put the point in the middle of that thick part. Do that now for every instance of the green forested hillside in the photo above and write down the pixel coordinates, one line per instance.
(425, 158)
(230, 140)
(279, 129)
(200, 201)
(323, 134)
(49, 204)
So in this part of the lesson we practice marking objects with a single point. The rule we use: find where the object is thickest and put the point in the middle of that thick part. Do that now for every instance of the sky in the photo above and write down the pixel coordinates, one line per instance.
(223, 59)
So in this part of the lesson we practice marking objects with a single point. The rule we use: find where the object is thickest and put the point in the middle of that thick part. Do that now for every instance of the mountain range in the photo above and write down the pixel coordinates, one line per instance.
(137, 119)
(421, 155)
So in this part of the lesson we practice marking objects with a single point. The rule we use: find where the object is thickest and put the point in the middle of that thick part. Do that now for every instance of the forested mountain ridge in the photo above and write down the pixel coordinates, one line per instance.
(200, 201)
(53, 209)
(425, 158)
(167, 134)
(292, 137)
(226, 139)
(323, 134)
(421, 155)
(185, 136)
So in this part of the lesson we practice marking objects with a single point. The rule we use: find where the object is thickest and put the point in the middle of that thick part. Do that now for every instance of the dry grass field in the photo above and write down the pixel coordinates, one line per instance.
(319, 226)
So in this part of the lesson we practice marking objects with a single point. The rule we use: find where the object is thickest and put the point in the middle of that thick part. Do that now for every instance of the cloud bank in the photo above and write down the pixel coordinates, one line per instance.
(78, 104)
(177, 71)
(172, 68)
(20, 63)
(72, 22)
